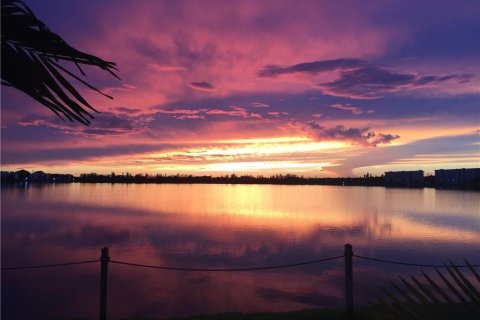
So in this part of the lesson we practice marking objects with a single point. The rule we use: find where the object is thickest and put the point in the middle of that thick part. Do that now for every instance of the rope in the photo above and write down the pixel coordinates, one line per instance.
(240, 269)
(50, 265)
(415, 264)
(227, 270)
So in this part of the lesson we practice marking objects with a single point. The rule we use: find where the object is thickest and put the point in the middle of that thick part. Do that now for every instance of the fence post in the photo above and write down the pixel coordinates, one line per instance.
(349, 280)
(104, 259)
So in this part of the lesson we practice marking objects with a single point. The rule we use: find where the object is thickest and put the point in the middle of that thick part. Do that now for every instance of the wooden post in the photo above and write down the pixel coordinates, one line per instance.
(104, 259)
(349, 280)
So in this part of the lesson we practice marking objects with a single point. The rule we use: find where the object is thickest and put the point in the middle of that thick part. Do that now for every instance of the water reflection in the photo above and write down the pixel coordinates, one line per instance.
(219, 226)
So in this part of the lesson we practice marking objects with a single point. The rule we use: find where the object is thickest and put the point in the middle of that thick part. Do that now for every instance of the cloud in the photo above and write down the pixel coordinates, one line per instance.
(200, 113)
(235, 112)
(189, 116)
(175, 111)
(206, 86)
(106, 123)
(363, 136)
(440, 147)
(360, 79)
(349, 107)
(311, 68)
(166, 68)
(372, 82)
(259, 105)
(127, 110)
(380, 138)
(69, 154)
(277, 113)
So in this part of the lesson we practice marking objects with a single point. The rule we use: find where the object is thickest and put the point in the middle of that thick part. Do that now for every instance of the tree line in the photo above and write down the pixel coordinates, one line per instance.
(291, 179)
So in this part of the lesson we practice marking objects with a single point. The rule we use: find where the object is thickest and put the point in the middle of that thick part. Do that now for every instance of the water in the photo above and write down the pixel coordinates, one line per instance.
(219, 226)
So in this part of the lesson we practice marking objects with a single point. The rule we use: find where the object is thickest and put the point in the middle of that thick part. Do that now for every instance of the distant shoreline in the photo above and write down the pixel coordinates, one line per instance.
(278, 179)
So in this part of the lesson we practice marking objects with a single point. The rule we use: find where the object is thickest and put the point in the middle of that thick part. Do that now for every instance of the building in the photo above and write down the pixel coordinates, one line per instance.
(457, 178)
(404, 179)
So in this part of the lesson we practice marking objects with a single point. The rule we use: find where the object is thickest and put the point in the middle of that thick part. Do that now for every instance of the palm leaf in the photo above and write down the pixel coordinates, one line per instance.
(30, 62)
(433, 300)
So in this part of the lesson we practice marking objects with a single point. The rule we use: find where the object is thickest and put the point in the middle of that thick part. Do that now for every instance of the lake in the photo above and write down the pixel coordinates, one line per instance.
(219, 226)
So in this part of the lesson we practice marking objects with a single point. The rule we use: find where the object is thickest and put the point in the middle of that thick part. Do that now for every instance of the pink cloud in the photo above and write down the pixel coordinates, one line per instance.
(259, 105)
(163, 53)
(277, 114)
(182, 111)
(235, 112)
(189, 116)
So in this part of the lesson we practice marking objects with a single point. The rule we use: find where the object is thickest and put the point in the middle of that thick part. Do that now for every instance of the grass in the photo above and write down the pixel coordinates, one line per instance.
(330, 313)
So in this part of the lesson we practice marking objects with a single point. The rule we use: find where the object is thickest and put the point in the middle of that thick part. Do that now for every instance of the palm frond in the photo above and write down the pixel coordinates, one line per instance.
(30, 63)
(453, 295)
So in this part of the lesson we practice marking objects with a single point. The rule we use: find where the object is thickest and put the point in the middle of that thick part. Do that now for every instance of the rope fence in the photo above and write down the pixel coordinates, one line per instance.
(347, 256)
(51, 265)
(240, 269)
(227, 269)
(415, 264)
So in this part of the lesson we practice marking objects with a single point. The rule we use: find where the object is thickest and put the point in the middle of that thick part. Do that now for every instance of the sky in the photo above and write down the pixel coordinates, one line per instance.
(313, 88)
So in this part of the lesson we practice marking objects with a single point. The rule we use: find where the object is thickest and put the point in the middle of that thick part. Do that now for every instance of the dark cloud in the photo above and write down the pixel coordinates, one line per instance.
(149, 50)
(360, 79)
(105, 123)
(103, 132)
(363, 136)
(381, 138)
(113, 121)
(128, 110)
(33, 155)
(314, 67)
(202, 85)
(372, 82)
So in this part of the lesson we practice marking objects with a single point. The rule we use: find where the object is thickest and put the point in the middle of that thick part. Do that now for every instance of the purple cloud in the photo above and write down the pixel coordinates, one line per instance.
(372, 82)
(233, 111)
(202, 86)
(128, 110)
(349, 107)
(278, 113)
(360, 79)
(106, 123)
(259, 105)
(380, 138)
(363, 136)
(76, 153)
(312, 68)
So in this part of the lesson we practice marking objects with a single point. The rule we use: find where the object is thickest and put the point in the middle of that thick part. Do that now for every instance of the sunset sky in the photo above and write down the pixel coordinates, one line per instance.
(315, 88)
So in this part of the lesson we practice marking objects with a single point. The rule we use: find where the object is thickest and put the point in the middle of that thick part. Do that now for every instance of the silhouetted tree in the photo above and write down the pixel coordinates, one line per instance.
(31, 56)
